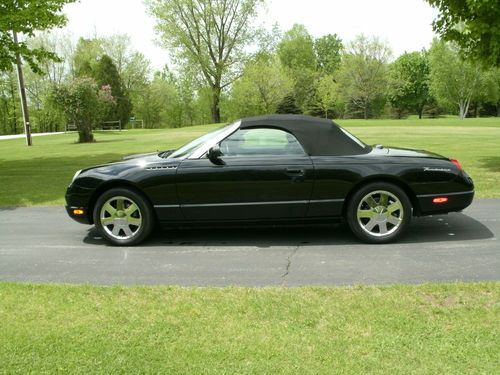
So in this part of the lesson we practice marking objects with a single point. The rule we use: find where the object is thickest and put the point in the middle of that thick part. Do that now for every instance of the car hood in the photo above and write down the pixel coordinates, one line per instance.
(150, 159)
(140, 156)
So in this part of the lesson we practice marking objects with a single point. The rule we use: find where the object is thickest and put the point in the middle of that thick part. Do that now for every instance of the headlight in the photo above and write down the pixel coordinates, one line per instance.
(76, 175)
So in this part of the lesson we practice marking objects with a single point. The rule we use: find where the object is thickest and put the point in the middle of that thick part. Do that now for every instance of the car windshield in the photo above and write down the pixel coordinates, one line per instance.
(187, 149)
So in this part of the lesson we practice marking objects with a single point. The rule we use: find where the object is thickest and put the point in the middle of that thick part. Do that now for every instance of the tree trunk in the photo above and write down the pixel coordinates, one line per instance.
(366, 112)
(216, 90)
(420, 112)
(463, 108)
(85, 133)
(498, 109)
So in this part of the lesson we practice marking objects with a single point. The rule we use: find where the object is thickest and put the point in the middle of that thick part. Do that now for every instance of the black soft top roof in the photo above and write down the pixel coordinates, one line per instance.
(319, 137)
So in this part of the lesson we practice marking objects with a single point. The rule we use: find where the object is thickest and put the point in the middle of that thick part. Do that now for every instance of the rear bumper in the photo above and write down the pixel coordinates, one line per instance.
(456, 202)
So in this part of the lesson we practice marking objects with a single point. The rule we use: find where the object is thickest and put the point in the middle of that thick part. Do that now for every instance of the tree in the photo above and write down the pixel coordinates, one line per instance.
(363, 75)
(9, 103)
(132, 66)
(409, 82)
(86, 56)
(262, 87)
(43, 118)
(491, 88)
(106, 74)
(453, 81)
(328, 51)
(135, 72)
(472, 25)
(82, 103)
(328, 98)
(155, 98)
(26, 17)
(296, 54)
(296, 49)
(288, 106)
(209, 34)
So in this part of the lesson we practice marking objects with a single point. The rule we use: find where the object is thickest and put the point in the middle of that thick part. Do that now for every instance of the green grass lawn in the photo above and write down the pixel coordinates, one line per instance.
(428, 329)
(39, 175)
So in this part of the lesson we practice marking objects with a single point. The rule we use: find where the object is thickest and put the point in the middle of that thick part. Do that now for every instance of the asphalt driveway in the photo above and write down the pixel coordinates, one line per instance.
(41, 244)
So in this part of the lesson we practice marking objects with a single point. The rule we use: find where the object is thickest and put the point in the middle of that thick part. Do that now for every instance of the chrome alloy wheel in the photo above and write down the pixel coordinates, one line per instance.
(380, 213)
(121, 218)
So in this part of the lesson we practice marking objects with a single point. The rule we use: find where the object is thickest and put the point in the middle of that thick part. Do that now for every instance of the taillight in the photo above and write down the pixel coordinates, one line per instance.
(457, 164)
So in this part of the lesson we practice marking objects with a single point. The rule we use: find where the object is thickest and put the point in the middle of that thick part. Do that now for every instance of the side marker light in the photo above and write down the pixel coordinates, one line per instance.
(439, 200)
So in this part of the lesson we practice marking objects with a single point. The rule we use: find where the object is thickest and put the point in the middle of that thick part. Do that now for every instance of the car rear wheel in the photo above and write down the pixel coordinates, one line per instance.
(379, 212)
(123, 217)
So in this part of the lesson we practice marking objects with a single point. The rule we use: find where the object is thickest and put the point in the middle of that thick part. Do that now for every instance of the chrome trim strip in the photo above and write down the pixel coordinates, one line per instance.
(242, 204)
(154, 168)
(327, 200)
(247, 203)
(438, 194)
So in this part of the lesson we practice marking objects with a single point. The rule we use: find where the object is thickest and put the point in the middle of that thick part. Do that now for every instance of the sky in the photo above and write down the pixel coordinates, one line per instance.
(404, 24)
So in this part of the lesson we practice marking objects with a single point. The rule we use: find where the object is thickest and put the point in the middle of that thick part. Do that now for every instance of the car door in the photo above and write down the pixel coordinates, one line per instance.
(265, 174)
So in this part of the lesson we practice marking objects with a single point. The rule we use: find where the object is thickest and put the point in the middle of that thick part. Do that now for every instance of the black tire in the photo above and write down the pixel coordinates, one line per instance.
(143, 216)
(388, 222)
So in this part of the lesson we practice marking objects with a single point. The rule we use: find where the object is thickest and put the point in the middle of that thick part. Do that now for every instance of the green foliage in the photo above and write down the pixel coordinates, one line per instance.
(328, 51)
(49, 118)
(363, 75)
(208, 34)
(10, 115)
(262, 87)
(173, 101)
(26, 17)
(296, 53)
(328, 101)
(83, 104)
(453, 81)
(86, 56)
(473, 25)
(296, 49)
(106, 74)
(409, 83)
(490, 91)
(288, 106)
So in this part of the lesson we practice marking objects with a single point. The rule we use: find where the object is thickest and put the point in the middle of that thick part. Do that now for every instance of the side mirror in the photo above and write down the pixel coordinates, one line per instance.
(215, 155)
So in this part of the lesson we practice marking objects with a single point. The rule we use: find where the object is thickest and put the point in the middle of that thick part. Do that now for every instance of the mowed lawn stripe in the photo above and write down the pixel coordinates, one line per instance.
(427, 329)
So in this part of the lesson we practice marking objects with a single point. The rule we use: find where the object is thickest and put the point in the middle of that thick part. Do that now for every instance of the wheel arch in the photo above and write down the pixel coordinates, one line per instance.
(388, 179)
(113, 184)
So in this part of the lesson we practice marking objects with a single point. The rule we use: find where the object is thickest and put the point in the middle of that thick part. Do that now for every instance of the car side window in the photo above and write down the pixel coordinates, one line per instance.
(261, 141)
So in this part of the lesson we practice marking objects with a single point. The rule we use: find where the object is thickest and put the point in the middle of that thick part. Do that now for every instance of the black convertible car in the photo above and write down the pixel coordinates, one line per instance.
(269, 170)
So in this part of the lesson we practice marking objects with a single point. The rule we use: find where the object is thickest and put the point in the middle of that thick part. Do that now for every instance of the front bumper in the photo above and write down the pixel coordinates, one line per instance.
(78, 204)
(79, 214)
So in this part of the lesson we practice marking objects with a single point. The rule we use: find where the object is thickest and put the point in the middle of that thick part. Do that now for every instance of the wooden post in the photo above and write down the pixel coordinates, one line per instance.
(22, 94)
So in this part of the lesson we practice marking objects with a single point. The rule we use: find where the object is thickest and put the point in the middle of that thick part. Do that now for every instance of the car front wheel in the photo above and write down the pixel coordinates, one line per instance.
(379, 212)
(123, 217)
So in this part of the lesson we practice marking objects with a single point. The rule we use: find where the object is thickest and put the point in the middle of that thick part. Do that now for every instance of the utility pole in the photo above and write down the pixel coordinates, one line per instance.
(22, 94)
